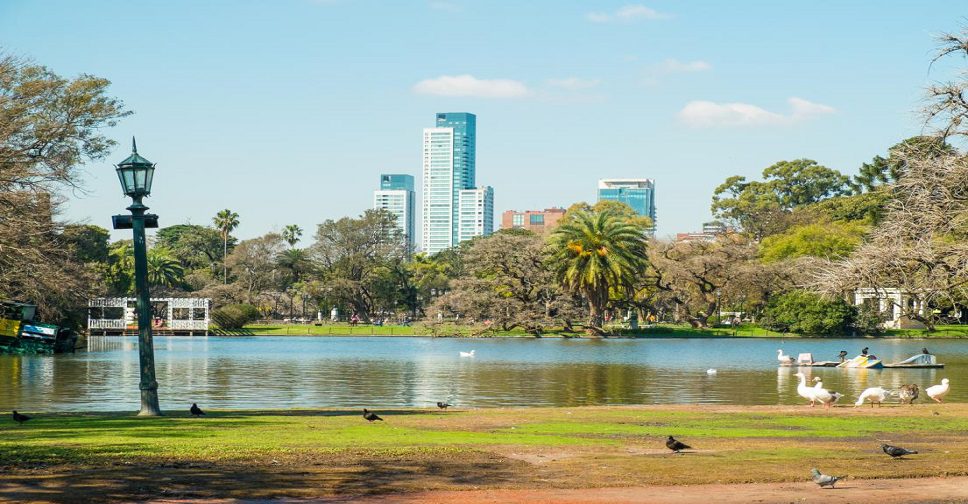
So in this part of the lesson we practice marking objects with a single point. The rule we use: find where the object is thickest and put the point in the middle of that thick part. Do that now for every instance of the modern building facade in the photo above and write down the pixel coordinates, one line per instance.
(475, 213)
(397, 196)
(537, 221)
(636, 193)
(449, 167)
(710, 231)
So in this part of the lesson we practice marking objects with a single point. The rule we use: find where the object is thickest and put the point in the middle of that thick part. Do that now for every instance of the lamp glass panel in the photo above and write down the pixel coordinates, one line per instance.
(149, 178)
(139, 178)
(127, 180)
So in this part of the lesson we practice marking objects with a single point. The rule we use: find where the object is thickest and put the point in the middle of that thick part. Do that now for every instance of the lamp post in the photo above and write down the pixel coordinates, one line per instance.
(136, 174)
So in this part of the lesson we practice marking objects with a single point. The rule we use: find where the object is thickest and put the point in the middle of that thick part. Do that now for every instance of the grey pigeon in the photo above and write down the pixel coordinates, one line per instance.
(676, 446)
(196, 411)
(370, 416)
(442, 405)
(897, 451)
(20, 419)
(824, 479)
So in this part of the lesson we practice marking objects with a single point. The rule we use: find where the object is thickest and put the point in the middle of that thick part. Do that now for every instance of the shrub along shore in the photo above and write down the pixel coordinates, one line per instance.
(657, 331)
(271, 454)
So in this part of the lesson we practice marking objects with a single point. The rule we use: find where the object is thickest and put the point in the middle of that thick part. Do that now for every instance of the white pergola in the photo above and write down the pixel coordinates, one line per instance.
(182, 315)
(892, 302)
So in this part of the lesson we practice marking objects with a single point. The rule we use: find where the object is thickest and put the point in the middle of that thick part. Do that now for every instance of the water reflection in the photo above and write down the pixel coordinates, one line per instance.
(267, 372)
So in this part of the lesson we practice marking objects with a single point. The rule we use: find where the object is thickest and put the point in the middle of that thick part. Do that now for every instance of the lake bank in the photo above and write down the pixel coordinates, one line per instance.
(658, 331)
(320, 453)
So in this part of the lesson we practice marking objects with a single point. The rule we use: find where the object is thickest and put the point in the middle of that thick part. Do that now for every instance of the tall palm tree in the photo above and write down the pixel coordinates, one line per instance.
(164, 269)
(594, 252)
(225, 221)
(292, 233)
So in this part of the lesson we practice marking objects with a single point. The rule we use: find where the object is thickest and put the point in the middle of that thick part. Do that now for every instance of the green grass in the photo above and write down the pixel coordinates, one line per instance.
(657, 331)
(335, 452)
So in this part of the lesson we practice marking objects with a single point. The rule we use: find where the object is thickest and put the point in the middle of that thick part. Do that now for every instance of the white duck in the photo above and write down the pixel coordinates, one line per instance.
(937, 392)
(808, 393)
(876, 395)
(711, 371)
(467, 354)
(785, 360)
(827, 397)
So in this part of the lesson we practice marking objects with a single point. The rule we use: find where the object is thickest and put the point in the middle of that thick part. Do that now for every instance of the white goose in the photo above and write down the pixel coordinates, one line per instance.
(827, 397)
(785, 360)
(467, 354)
(806, 392)
(937, 392)
(876, 395)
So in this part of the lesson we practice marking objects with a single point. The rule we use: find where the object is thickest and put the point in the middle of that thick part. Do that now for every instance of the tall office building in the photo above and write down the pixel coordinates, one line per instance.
(476, 213)
(449, 167)
(636, 193)
(396, 195)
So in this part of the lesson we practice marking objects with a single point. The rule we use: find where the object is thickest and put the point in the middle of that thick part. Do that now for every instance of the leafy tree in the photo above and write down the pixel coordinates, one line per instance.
(292, 233)
(225, 221)
(253, 264)
(830, 240)
(198, 248)
(49, 126)
(882, 171)
(804, 312)
(164, 270)
(761, 208)
(350, 251)
(88, 242)
(593, 252)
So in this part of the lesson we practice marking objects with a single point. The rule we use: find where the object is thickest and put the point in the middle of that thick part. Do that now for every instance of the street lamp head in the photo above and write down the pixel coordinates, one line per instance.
(136, 174)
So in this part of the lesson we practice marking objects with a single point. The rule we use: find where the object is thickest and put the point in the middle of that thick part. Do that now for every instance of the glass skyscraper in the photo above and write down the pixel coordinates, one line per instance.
(636, 193)
(396, 195)
(449, 167)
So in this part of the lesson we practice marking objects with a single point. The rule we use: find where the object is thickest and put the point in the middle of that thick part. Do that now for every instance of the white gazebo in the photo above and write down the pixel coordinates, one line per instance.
(170, 316)
(894, 304)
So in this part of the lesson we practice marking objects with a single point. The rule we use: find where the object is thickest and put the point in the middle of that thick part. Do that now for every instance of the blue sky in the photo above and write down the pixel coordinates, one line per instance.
(287, 111)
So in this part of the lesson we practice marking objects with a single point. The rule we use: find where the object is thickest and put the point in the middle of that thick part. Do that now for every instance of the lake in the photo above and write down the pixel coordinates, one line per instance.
(335, 372)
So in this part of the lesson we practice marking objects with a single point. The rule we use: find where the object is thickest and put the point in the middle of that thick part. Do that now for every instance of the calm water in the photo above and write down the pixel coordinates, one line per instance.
(314, 372)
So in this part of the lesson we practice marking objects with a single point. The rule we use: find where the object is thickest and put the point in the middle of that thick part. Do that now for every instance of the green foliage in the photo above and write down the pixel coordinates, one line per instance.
(235, 316)
(88, 242)
(869, 321)
(866, 208)
(882, 171)
(831, 240)
(164, 270)
(804, 312)
(292, 233)
(196, 247)
(760, 208)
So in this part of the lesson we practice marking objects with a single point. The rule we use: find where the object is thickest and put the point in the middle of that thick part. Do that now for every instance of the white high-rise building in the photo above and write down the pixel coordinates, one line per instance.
(476, 213)
(396, 195)
(448, 169)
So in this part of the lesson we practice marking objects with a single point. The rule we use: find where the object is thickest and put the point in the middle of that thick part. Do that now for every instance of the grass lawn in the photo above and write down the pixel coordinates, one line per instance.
(657, 331)
(259, 454)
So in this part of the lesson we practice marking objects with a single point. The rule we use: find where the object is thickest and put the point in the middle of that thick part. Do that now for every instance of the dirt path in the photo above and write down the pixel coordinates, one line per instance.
(884, 491)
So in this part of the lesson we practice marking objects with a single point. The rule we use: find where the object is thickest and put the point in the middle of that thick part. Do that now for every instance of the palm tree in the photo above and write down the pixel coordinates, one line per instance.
(594, 252)
(225, 221)
(164, 269)
(291, 234)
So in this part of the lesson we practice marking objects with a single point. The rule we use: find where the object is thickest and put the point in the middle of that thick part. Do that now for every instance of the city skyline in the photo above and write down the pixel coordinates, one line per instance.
(687, 97)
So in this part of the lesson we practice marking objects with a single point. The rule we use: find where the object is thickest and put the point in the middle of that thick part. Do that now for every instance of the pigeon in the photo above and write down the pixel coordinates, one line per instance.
(20, 419)
(897, 451)
(908, 393)
(824, 479)
(676, 446)
(443, 405)
(370, 416)
(196, 411)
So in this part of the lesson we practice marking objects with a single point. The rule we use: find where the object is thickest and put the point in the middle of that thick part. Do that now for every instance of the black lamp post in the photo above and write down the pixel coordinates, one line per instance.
(136, 174)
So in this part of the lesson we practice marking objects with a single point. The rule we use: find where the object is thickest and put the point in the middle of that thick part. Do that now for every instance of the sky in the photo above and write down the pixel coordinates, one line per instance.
(287, 111)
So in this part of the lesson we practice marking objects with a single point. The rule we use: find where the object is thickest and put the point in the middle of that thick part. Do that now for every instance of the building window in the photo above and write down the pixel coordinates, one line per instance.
(537, 219)
(517, 220)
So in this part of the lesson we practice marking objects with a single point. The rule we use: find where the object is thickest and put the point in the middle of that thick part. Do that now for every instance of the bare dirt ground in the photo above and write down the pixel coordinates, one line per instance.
(884, 491)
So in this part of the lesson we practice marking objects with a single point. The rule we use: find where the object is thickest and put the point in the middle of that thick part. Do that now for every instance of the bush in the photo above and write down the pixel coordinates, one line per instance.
(235, 316)
(869, 321)
(803, 312)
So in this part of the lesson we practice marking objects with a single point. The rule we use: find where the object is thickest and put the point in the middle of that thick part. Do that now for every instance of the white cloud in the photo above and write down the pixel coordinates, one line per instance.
(574, 83)
(672, 65)
(627, 14)
(707, 114)
(468, 85)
